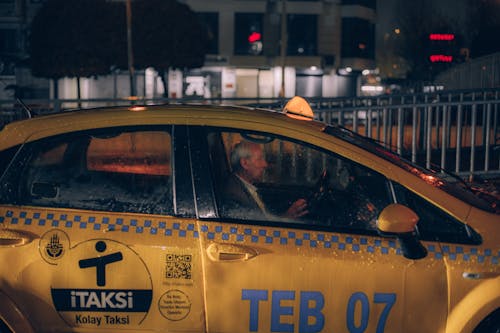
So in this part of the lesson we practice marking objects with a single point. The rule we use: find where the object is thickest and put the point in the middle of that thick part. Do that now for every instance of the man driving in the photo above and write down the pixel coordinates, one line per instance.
(248, 164)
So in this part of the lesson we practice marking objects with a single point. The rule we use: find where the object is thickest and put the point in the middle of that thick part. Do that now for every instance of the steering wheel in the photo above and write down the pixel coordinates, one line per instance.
(320, 191)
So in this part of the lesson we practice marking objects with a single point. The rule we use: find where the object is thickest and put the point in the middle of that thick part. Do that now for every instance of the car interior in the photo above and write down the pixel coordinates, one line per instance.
(339, 194)
(90, 173)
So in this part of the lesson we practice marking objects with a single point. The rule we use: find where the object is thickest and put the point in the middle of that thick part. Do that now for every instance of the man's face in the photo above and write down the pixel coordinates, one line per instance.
(254, 165)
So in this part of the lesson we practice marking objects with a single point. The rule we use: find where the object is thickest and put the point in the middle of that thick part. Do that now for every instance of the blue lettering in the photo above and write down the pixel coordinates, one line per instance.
(306, 312)
(365, 312)
(254, 296)
(311, 317)
(277, 310)
(389, 300)
(100, 262)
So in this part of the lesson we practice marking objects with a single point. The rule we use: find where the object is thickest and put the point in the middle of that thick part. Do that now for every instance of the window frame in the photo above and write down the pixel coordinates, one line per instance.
(241, 48)
(372, 4)
(357, 31)
(294, 24)
(210, 20)
(206, 189)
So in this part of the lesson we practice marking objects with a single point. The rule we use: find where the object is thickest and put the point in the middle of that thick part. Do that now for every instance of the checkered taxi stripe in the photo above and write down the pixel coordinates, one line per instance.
(244, 234)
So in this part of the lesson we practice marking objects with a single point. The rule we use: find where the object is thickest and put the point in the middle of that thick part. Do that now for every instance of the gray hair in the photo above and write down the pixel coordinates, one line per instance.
(242, 149)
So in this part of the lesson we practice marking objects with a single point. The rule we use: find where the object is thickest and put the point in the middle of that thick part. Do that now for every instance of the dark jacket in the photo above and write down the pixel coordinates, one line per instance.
(238, 202)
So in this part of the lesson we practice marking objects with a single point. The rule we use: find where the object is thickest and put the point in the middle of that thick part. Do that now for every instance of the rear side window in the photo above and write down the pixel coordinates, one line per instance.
(124, 171)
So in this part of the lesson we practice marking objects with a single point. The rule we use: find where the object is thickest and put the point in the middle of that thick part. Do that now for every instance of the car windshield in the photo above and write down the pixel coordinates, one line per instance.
(473, 194)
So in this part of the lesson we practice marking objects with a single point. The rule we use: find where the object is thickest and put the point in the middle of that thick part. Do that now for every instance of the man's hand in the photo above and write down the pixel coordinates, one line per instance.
(297, 209)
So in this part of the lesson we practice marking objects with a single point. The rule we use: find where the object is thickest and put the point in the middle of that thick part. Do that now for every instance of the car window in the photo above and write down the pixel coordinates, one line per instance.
(338, 193)
(434, 224)
(6, 157)
(125, 171)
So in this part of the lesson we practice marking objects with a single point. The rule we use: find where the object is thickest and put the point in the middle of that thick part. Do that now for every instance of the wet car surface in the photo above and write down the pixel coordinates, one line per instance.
(119, 219)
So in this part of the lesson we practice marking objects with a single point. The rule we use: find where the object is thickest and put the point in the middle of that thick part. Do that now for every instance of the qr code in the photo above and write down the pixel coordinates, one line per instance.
(178, 266)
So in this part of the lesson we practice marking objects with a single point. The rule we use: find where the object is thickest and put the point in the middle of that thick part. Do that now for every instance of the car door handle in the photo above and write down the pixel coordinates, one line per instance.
(479, 275)
(12, 237)
(230, 252)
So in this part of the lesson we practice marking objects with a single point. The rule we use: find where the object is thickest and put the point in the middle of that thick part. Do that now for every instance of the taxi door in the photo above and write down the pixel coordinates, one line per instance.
(264, 276)
(265, 279)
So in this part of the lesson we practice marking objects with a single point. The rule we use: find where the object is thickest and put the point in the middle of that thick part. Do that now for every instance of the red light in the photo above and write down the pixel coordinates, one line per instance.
(254, 37)
(441, 36)
(441, 58)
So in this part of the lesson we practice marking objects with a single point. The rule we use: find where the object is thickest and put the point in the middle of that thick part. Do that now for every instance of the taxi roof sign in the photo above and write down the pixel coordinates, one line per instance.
(298, 108)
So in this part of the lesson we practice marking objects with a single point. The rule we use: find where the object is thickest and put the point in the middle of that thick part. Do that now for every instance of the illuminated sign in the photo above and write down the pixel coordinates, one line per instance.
(444, 37)
(439, 47)
(441, 58)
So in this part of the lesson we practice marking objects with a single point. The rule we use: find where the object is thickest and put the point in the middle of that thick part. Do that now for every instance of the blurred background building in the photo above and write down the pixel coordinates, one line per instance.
(319, 46)
(267, 49)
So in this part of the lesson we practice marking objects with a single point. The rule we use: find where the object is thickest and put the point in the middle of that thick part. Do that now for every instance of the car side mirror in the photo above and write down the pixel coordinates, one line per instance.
(400, 221)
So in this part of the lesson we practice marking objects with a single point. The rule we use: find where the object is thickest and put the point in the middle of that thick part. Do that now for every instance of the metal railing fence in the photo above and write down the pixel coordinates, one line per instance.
(455, 130)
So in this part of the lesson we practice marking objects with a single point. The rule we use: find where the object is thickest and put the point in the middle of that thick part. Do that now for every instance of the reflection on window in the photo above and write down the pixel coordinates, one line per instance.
(128, 171)
(133, 153)
(248, 34)
(340, 194)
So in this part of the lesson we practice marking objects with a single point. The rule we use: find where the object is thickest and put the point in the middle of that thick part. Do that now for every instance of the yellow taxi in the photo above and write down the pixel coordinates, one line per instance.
(196, 218)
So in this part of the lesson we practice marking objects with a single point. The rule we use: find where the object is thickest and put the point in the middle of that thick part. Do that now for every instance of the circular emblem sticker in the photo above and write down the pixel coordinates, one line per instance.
(53, 245)
(102, 284)
(174, 305)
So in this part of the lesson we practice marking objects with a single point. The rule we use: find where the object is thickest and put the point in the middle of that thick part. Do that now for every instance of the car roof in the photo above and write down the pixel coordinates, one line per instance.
(28, 130)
